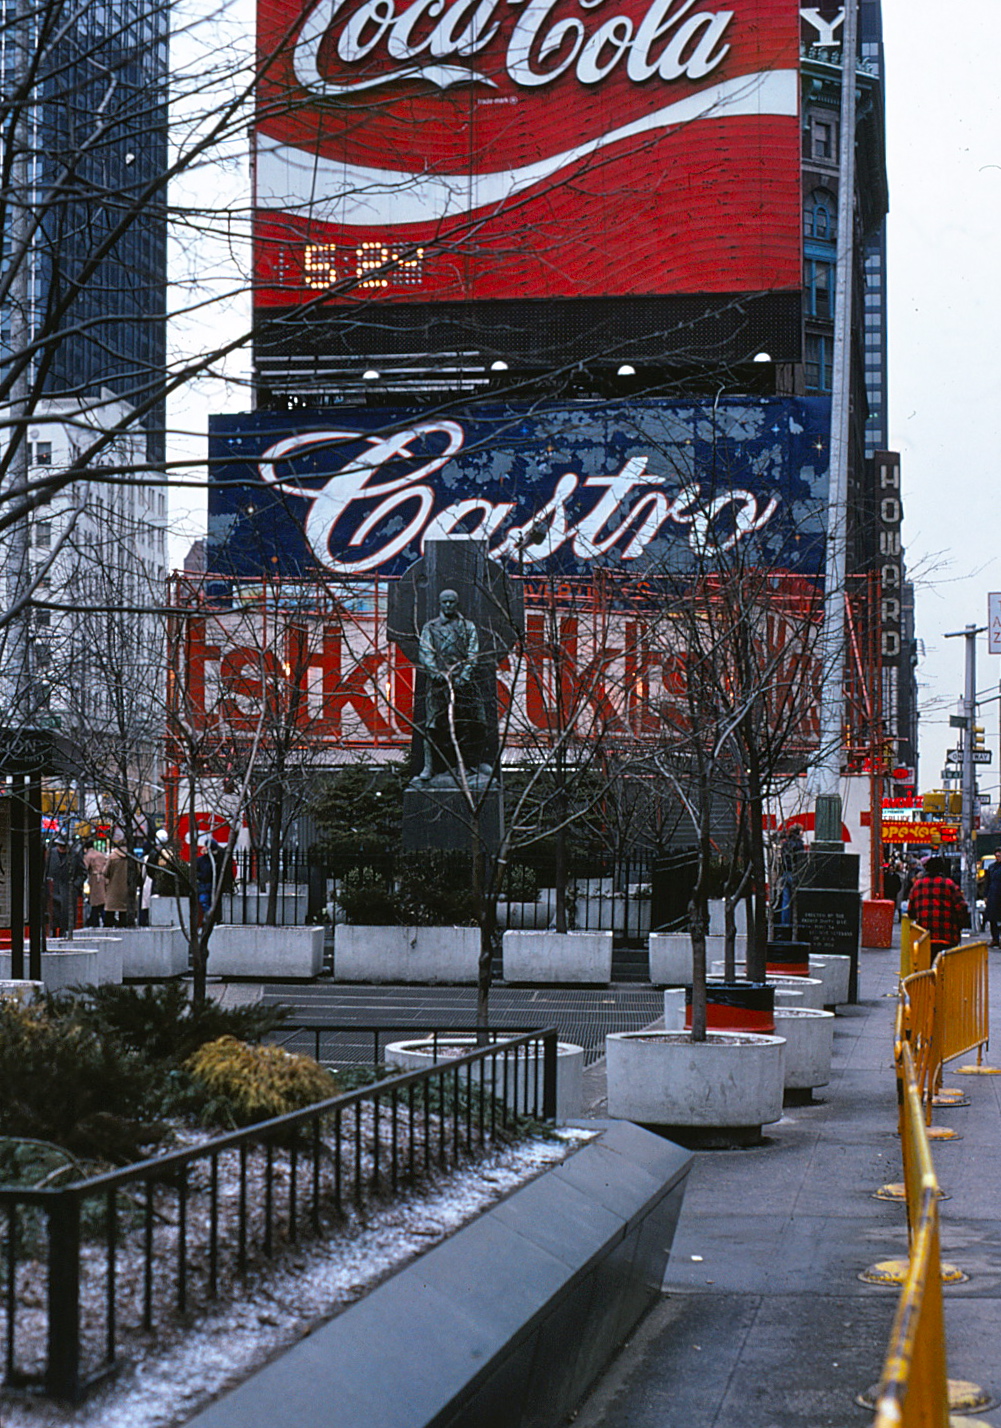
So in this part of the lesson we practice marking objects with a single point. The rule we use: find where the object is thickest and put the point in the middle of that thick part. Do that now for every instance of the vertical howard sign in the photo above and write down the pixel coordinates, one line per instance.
(891, 560)
(645, 487)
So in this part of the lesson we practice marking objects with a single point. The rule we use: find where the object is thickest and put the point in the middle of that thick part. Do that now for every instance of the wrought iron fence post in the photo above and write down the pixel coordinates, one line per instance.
(549, 1076)
(62, 1370)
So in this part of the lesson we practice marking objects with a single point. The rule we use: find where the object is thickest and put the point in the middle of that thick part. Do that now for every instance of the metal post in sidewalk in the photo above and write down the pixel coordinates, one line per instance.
(967, 862)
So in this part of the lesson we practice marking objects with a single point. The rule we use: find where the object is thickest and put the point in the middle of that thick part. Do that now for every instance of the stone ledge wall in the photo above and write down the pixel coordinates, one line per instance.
(509, 1321)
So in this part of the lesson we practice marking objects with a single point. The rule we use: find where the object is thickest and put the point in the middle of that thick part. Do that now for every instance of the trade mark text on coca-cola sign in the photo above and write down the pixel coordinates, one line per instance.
(423, 149)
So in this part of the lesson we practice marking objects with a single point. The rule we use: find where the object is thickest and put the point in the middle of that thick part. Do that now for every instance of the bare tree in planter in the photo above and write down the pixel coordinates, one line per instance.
(738, 722)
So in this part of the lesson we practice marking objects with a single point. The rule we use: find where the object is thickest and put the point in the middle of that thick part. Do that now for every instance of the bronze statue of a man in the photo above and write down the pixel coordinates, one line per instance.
(449, 650)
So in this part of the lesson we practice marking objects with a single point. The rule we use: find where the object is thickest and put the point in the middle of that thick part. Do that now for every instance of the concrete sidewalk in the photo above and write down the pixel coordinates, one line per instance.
(764, 1323)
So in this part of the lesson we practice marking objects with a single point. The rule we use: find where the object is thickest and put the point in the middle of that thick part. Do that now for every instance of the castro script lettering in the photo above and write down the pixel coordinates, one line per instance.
(671, 40)
(404, 513)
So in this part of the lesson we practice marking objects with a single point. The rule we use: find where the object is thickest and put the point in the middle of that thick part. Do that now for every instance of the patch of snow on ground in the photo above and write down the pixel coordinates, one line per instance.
(183, 1370)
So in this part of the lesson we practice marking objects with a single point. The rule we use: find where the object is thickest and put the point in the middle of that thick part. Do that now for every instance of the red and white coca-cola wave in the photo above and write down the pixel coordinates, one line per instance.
(366, 194)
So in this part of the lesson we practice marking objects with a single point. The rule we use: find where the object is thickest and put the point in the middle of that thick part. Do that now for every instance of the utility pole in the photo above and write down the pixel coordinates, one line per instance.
(826, 773)
(967, 862)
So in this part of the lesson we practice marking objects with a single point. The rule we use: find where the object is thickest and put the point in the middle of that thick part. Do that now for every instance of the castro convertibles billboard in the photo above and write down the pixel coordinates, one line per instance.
(416, 150)
(643, 487)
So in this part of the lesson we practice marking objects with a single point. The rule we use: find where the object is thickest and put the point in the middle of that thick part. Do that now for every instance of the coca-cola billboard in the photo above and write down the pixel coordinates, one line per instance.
(416, 150)
(643, 488)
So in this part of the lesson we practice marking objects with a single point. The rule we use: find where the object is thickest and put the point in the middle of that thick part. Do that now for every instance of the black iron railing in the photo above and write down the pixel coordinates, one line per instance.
(325, 1039)
(143, 1245)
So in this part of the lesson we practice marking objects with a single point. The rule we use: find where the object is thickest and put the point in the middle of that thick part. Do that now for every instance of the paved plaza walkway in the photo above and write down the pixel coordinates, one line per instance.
(764, 1323)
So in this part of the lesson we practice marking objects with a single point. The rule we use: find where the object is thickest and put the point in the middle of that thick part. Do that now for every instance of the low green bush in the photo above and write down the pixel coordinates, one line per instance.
(159, 1023)
(432, 889)
(66, 1083)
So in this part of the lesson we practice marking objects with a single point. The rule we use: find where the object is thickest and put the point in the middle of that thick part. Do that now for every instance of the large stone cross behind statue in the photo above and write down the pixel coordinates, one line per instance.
(487, 596)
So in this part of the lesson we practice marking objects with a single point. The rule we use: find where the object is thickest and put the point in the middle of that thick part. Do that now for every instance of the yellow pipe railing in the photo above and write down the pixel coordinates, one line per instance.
(917, 1024)
(913, 1390)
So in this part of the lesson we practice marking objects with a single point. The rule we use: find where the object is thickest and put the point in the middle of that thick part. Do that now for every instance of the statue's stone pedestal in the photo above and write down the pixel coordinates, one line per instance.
(437, 814)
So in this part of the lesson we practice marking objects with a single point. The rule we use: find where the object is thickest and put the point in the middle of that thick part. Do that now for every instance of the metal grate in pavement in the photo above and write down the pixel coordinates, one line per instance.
(583, 1016)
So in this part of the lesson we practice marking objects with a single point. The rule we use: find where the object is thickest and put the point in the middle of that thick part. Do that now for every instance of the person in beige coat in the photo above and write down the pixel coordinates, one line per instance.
(95, 862)
(116, 894)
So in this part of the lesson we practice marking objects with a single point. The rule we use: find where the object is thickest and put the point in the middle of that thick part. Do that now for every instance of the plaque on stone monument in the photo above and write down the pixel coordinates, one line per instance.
(832, 918)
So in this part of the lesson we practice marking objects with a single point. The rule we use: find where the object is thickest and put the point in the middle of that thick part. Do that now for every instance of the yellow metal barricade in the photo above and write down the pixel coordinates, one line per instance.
(915, 948)
(906, 961)
(962, 1011)
(918, 1026)
(913, 1390)
(920, 949)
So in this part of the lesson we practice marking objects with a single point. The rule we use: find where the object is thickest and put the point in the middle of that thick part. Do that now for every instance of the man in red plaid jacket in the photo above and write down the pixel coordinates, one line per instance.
(937, 905)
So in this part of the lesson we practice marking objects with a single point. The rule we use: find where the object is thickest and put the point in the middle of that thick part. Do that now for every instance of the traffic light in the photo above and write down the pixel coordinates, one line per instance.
(978, 736)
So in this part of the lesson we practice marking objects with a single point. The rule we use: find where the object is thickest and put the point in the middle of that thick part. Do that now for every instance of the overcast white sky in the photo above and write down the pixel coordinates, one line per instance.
(944, 161)
(944, 284)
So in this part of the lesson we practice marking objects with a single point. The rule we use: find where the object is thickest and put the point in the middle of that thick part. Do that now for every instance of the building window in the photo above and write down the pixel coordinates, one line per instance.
(824, 139)
(819, 288)
(820, 215)
(43, 534)
(41, 453)
(817, 367)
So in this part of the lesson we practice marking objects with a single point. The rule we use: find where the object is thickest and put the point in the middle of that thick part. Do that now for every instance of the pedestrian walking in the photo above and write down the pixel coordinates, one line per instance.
(116, 875)
(937, 905)
(792, 860)
(63, 881)
(893, 882)
(992, 897)
(95, 862)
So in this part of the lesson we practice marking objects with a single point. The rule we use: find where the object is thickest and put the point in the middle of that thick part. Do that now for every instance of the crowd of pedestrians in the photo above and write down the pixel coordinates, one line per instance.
(114, 885)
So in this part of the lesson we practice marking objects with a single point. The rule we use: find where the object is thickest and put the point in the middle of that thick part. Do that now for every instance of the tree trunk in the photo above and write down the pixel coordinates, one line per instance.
(697, 917)
(698, 913)
(197, 947)
(486, 913)
(276, 812)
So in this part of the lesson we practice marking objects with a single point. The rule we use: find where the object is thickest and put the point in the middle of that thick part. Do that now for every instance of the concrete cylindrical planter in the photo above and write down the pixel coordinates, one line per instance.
(720, 1091)
(835, 973)
(415, 1055)
(809, 1036)
(811, 988)
(64, 969)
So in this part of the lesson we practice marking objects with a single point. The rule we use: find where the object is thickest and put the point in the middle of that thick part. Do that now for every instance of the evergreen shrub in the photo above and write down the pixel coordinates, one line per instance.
(242, 1084)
